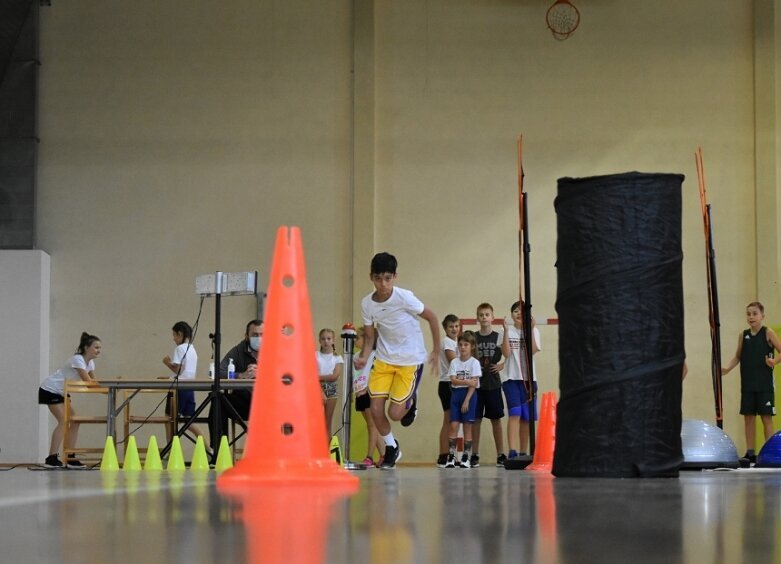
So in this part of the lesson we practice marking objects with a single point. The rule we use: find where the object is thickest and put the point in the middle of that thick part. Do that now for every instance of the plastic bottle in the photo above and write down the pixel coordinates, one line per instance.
(211, 369)
(231, 370)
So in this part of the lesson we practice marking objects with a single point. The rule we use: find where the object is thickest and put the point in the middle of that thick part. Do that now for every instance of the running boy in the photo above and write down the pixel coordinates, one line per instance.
(757, 390)
(400, 353)
(489, 395)
(516, 387)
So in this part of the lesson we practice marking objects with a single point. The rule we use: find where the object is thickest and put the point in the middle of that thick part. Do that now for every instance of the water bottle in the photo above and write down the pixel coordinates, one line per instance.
(211, 370)
(231, 370)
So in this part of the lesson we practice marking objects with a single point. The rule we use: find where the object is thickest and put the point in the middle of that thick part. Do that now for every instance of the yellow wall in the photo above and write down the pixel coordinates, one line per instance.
(177, 136)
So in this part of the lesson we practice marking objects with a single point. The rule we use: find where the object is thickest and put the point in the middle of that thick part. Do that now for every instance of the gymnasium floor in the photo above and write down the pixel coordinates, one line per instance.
(413, 514)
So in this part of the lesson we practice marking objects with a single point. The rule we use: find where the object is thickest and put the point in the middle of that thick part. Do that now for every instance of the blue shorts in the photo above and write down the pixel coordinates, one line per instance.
(459, 395)
(185, 403)
(518, 399)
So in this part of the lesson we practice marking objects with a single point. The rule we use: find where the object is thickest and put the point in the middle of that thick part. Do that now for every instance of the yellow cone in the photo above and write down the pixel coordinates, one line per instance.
(132, 461)
(224, 458)
(175, 457)
(109, 461)
(336, 450)
(153, 461)
(200, 461)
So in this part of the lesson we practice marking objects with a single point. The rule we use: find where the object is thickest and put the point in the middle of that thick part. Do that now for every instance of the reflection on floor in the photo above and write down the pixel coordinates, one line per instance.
(408, 515)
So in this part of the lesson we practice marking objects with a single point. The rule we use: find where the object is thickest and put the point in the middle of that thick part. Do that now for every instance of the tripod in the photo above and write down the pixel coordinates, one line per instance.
(216, 399)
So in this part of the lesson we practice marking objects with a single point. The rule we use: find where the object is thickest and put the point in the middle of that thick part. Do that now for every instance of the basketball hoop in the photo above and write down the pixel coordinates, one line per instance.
(563, 19)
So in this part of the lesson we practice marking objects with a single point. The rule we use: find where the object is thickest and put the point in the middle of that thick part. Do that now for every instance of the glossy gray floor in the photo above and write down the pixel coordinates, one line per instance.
(409, 515)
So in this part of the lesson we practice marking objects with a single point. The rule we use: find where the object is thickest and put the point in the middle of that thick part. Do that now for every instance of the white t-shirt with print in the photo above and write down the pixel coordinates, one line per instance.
(399, 338)
(466, 369)
(514, 366)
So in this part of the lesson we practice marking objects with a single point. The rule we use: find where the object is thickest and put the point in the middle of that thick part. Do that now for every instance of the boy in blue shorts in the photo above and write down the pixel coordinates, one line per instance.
(464, 375)
(400, 353)
(516, 387)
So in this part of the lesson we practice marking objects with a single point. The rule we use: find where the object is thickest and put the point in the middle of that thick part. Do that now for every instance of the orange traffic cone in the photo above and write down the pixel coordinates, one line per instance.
(546, 436)
(285, 443)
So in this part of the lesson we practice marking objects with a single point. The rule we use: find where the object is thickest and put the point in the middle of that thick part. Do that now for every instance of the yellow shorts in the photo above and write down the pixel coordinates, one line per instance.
(394, 381)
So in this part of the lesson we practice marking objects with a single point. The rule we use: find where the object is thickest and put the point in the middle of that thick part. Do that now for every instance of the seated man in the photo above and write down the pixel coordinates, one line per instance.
(245, 359)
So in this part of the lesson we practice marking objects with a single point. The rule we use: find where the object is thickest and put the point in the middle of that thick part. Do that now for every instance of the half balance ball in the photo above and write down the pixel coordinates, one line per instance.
(706, 446)
(770, 454)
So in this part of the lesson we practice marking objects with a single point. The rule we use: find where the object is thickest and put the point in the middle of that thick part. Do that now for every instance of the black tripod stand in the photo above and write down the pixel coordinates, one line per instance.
(216, 399)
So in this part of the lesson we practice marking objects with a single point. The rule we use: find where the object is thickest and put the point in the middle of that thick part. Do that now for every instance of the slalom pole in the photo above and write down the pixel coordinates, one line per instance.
(524, 295)
(712, 290)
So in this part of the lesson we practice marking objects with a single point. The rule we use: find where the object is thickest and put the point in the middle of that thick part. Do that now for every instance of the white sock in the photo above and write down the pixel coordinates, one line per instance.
(389, 440)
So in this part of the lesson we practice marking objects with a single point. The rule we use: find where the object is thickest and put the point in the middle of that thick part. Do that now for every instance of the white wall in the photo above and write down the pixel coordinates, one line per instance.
(24, 354)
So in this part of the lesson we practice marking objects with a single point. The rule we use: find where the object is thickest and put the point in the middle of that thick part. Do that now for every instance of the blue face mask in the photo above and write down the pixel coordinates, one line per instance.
(254, 343)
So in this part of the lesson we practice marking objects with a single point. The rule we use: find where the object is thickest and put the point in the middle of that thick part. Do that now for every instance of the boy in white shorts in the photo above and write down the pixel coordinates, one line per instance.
(400, 353)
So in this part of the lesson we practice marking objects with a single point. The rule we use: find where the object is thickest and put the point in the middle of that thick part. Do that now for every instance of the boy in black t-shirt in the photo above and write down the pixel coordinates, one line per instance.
(490, 403)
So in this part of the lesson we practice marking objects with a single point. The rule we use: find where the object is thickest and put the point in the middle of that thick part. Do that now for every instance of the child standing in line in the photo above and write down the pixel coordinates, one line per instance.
(183, 365)
(519, 407)
(465, 376)
(52, 395)
(452, 325)
(329, 369)
(363, 404)
(757, 388)
(401, 351)
(490, 403)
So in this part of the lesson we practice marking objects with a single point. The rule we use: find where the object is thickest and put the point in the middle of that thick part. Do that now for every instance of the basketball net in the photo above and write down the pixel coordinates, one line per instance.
(563, 19)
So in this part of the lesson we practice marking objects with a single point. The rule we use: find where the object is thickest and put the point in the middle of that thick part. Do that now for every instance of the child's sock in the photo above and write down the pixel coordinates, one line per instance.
(468, 448)
(389, 440)
(451, 443)
(513, 453)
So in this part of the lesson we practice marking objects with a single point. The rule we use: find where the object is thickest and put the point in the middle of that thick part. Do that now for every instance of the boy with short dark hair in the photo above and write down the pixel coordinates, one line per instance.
(401, 351)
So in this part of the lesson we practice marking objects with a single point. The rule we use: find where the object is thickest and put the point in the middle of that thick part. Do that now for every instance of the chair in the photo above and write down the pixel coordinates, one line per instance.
(168, 421)
(73, 387)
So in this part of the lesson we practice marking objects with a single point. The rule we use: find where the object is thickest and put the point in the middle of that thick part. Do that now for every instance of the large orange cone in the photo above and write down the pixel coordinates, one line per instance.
(546, 436)
(285, 443)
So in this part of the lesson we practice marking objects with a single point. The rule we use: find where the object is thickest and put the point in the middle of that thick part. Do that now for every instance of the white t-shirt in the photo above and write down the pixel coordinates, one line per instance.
(361, 377)
(399, 338)
(56, 382)
(468, 369)
(448, 344)
(514, 367)
(326, 363)
(188, 358)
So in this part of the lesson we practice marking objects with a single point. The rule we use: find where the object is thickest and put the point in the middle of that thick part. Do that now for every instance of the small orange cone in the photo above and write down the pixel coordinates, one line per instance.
(546, 436)
(285, 443)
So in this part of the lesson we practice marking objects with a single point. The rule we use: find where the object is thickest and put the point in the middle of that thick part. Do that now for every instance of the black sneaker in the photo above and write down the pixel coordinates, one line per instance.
(500, 460)
(451, 461)
(53, 461)
(441, 460)
(465, 461)
(75, 463)
(474, 462)
(409, 417)
(392, 455)
(751, 456)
